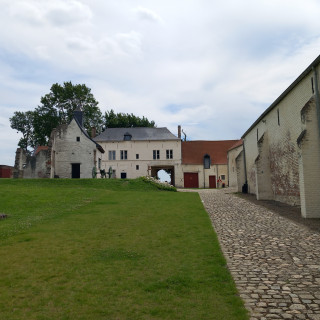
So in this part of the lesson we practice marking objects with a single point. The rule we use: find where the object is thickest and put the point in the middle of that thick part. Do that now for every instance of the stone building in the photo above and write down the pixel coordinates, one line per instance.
(70, 153)
(136, 152)
(235, 166)
(205, 164)
(282, 147)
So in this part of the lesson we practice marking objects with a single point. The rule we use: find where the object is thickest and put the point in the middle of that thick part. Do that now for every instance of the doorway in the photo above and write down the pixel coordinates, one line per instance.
(75, 170)
(212, 182)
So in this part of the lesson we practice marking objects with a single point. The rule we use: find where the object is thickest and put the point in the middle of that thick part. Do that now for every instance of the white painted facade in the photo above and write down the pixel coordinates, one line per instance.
(282, 148)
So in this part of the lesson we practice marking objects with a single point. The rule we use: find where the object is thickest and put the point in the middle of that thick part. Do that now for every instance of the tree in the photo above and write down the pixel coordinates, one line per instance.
(122, 120)
(23, 122)
(57, 108)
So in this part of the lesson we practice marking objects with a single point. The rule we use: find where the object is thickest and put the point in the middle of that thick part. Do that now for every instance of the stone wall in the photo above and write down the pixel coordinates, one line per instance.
(70, 145)
(282, 128)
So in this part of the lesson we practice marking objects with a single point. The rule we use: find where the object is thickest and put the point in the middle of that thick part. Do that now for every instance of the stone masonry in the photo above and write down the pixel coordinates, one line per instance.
(275, 262)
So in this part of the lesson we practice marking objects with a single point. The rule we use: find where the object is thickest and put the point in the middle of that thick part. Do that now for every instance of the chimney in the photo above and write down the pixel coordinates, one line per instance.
(78, 115)
(93, 132)
(179, 131)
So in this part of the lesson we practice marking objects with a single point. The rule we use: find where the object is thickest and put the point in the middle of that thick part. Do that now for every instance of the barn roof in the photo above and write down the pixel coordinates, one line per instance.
(137, 134)
(237, 144)
(194, 151)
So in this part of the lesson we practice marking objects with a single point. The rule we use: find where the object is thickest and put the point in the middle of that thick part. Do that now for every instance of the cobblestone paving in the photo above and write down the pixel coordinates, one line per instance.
(275, 262)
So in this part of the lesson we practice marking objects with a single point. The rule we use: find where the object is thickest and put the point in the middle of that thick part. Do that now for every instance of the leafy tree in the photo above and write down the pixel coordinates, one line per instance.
(23, 122)
(125, 120)
(56, 108)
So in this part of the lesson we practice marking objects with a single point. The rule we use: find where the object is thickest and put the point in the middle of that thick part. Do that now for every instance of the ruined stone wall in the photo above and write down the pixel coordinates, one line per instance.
(36, 166)
(20, 161)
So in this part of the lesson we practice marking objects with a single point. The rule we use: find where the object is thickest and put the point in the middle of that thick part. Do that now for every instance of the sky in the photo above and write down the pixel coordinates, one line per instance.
(210, 66)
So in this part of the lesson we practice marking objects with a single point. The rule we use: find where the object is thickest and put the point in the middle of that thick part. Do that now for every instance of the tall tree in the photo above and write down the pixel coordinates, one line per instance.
(56, 108)
(23, 122)
(125, 120)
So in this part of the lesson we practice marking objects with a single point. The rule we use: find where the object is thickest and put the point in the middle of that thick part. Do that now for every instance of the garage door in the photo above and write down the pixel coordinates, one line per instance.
(191, 180)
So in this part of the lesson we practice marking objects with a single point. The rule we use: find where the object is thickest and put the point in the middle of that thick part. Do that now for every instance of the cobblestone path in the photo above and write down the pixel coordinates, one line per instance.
(275, 262)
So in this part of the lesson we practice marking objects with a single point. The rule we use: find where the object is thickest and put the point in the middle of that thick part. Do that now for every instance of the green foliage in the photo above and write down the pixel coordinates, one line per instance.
(122, 120)
(23, 122)
(107, 249)
(158, 184)
(57, 108)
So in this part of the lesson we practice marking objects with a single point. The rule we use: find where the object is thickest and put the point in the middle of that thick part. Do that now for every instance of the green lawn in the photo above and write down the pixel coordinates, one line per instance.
(109, 249)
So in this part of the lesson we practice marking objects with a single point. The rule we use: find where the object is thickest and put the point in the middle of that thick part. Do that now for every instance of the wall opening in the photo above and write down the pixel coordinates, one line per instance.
(164, 176)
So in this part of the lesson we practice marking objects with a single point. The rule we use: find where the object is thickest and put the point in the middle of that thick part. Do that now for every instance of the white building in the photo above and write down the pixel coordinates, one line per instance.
(282, 147)
(136, 152)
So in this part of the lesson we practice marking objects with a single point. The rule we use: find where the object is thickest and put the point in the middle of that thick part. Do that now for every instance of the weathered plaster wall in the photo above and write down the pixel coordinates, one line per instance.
(36, 166)
(309, 161)
(66, 150)
(232, 165)
(283, 126)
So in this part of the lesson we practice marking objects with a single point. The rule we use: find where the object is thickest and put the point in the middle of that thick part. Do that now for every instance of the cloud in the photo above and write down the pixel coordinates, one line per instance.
(212, 67)
(68, 12)
(148, 15)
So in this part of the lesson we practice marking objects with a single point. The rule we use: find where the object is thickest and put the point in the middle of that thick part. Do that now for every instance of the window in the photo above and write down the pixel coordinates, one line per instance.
(156, 154)
(312, 85)
(278, 117)
(99, 163)
(223, 177)
(137, 167)
(206, 161)
(127, 136)
(78, 138)
(137, 156)
(169, 154)
(123, 175)
(112, 155)
(123, 154)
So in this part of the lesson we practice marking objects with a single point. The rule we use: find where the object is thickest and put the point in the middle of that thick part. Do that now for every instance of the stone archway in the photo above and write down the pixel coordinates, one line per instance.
(168, 169)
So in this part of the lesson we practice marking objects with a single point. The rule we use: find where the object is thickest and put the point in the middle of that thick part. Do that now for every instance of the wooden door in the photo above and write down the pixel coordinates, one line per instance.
(212, 182)
(191, 180)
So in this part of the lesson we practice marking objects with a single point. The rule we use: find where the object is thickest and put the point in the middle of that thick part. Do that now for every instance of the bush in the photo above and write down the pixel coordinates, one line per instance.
(159, 184)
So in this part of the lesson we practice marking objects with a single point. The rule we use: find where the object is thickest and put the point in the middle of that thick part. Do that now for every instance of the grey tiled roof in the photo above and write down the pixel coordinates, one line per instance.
(138, 134)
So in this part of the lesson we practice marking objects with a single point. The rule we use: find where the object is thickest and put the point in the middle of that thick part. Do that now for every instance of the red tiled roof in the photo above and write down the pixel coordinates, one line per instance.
(194, 151)
(39, 148)
(237, 144)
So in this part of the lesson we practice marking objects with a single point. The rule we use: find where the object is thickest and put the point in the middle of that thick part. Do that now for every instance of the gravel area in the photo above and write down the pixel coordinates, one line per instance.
(274, 259)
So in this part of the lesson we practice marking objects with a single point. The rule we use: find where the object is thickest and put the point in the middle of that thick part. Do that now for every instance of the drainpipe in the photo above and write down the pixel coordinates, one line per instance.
(228, 168)
(317, 96)
(245, 166)
(217, 174)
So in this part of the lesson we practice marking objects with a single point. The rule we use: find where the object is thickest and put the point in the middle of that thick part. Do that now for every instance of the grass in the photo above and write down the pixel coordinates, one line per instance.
(109, 249)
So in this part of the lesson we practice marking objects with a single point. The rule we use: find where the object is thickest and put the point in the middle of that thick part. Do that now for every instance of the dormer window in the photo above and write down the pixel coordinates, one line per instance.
(127, 136)
(206, 161)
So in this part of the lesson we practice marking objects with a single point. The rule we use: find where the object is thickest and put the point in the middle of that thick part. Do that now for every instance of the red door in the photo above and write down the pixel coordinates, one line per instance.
(191, 180)
(212, 182)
